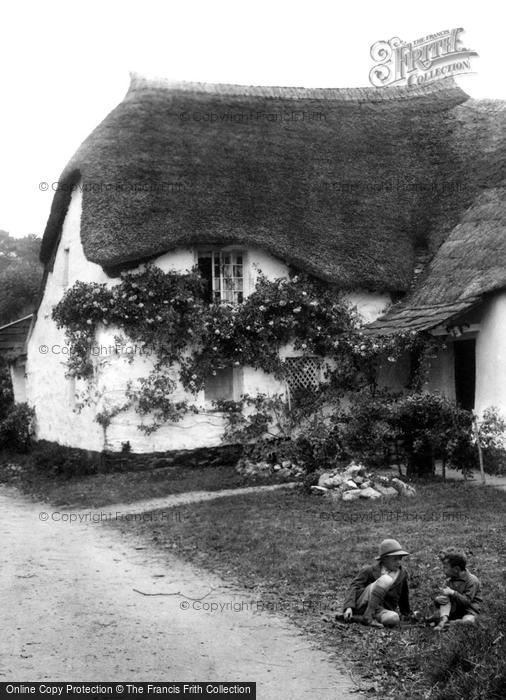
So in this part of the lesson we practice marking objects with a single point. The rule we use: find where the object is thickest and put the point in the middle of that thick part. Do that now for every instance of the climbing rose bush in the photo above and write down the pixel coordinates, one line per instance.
(166, 313)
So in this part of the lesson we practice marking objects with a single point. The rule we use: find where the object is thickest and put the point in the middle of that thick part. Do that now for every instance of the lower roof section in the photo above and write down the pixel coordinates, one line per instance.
(402, 318)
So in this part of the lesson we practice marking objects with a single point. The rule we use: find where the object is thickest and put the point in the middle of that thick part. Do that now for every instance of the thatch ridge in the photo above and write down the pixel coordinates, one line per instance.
(140, 83)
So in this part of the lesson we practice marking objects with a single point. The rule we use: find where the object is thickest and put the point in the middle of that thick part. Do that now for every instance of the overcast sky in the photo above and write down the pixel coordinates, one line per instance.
(65, 65)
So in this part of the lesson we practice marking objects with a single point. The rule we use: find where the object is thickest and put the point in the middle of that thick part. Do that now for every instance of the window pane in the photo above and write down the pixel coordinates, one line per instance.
(224, 273)
(220, 386)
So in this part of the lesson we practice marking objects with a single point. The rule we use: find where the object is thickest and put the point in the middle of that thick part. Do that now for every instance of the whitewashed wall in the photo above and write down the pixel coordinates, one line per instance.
(53, 395)
(17, 370)
(47, 388)
(491, 356)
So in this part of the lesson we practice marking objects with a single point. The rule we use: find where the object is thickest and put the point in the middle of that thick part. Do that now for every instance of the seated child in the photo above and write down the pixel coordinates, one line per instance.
(378, 590)
(460, 599)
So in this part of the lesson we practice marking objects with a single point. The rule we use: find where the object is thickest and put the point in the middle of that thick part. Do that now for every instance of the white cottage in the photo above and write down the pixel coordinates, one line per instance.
(354, 186)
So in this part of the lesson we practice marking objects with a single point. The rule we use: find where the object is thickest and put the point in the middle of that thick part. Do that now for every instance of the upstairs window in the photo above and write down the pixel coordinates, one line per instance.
(65, 274)
(223, 272)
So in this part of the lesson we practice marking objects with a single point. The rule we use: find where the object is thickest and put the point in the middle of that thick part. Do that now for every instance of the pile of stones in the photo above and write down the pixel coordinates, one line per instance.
(286, 468)
(355, 482)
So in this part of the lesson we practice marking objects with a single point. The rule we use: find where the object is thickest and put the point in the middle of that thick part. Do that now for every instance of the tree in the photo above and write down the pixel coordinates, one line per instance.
(20, 275)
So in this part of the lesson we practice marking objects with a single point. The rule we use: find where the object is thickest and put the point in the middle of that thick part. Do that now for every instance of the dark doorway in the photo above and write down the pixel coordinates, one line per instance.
(465, 372)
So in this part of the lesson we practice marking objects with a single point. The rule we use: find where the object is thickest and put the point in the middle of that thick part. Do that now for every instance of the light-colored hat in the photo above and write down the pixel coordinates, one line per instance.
(391, 548)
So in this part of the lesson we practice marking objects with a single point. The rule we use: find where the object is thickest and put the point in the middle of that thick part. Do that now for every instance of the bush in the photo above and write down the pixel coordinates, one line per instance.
(59, 460)
(365, 428)
(422, 427)
(16, 429)
(428, 423)
(492, 435)
(494, 460)
(269, 430)
(6, 395)
(321, 428)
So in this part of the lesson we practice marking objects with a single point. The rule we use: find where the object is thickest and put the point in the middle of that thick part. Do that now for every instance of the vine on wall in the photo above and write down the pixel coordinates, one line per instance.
(165, 313)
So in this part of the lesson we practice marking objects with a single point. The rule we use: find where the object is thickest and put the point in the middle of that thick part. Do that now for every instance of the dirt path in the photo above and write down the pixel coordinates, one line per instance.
(181, 499)
(70, 613)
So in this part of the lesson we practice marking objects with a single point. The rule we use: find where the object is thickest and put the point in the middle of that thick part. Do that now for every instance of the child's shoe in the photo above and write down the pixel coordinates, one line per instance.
(431, 620)
(443, 624)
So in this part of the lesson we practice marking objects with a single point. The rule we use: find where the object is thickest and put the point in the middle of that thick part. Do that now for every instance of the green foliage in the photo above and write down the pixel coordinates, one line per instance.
(319, 430)
(167, 314)
(16, 428)
(427, 423)
(471, 662)
(20, 275)
(192, 340)
(6, 394)
(270, 430)
(492, 437)
(422, 426)
(153, 398)
(59, 460)
(16, 420)
(160, 311)
(365, 426)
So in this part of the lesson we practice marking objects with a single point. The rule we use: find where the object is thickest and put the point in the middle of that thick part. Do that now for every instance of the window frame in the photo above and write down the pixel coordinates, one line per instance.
(221, 250)
(237, 390)
(66, 267)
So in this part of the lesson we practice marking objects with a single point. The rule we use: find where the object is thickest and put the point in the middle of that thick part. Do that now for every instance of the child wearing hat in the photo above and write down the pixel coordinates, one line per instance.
(460, 600)
(379, 590)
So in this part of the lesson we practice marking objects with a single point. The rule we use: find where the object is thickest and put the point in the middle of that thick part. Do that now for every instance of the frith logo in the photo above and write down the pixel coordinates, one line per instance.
(427, 59)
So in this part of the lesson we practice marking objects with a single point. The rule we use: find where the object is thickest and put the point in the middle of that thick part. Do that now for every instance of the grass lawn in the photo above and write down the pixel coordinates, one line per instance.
(98, 490)
(297, 553)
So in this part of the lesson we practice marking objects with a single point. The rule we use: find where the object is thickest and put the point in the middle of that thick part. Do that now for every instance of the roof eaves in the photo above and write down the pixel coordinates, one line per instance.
(422, 318)
(13, 323)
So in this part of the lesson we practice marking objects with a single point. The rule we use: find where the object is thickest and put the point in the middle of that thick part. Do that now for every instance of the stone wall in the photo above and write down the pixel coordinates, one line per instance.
(104, 462)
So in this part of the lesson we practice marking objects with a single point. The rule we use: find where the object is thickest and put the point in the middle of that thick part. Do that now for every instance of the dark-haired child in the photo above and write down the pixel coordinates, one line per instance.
(460, 600)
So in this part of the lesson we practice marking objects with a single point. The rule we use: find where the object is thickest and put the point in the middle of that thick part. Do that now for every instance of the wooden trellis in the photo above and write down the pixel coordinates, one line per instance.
(303, 372)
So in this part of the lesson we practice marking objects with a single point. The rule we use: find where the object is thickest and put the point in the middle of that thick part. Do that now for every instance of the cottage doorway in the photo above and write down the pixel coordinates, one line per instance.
(464, 352)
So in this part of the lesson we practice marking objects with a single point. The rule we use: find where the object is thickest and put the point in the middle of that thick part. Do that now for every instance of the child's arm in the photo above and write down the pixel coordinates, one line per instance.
(361, 580)
(470, 595)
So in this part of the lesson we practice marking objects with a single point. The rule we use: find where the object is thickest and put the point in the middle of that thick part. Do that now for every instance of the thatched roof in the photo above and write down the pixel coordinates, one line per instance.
(347, 184)
(471, 262)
